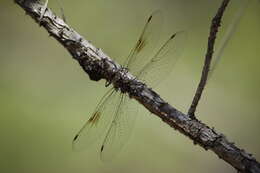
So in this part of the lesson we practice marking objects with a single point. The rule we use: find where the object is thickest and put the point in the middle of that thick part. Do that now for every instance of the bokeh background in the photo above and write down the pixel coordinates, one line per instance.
(46, 97)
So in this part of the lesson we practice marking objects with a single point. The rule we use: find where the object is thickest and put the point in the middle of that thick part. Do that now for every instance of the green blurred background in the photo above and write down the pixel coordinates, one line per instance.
(46, 97)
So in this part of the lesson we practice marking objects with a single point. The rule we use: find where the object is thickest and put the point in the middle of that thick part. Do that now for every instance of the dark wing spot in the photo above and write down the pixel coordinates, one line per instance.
(102, 148)
(76, 137)
(173, 35)
(94, 118)
(150, 18)
(140, 45)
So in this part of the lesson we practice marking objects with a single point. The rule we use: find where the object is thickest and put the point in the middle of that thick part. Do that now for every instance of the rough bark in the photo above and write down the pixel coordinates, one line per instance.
(215, 24)
(100, 66)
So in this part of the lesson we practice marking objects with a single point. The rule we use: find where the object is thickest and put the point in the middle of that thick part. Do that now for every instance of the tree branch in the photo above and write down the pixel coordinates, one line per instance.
(99, 66)
(215, 24)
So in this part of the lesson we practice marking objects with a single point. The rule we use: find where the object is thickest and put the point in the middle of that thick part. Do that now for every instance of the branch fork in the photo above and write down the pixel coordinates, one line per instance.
(98, 66)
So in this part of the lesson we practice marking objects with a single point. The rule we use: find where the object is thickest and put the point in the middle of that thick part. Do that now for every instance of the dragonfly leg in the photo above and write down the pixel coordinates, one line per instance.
(107, 83)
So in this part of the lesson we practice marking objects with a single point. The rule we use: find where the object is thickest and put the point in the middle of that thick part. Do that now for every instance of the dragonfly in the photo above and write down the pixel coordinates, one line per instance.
(115, 114)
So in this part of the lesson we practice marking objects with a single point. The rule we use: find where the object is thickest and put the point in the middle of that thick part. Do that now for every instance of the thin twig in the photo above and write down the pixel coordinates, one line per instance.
(232, 26)
(215, 24)
(98, 66)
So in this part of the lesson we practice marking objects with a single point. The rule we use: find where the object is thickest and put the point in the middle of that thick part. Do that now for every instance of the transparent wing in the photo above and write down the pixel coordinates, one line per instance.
(233, 25)
(159, 67)
(120, 129)
(99, 122)
(146, 43)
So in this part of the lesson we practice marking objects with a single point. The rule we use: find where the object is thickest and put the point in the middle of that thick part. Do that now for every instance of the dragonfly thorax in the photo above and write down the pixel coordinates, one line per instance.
(122, 80)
